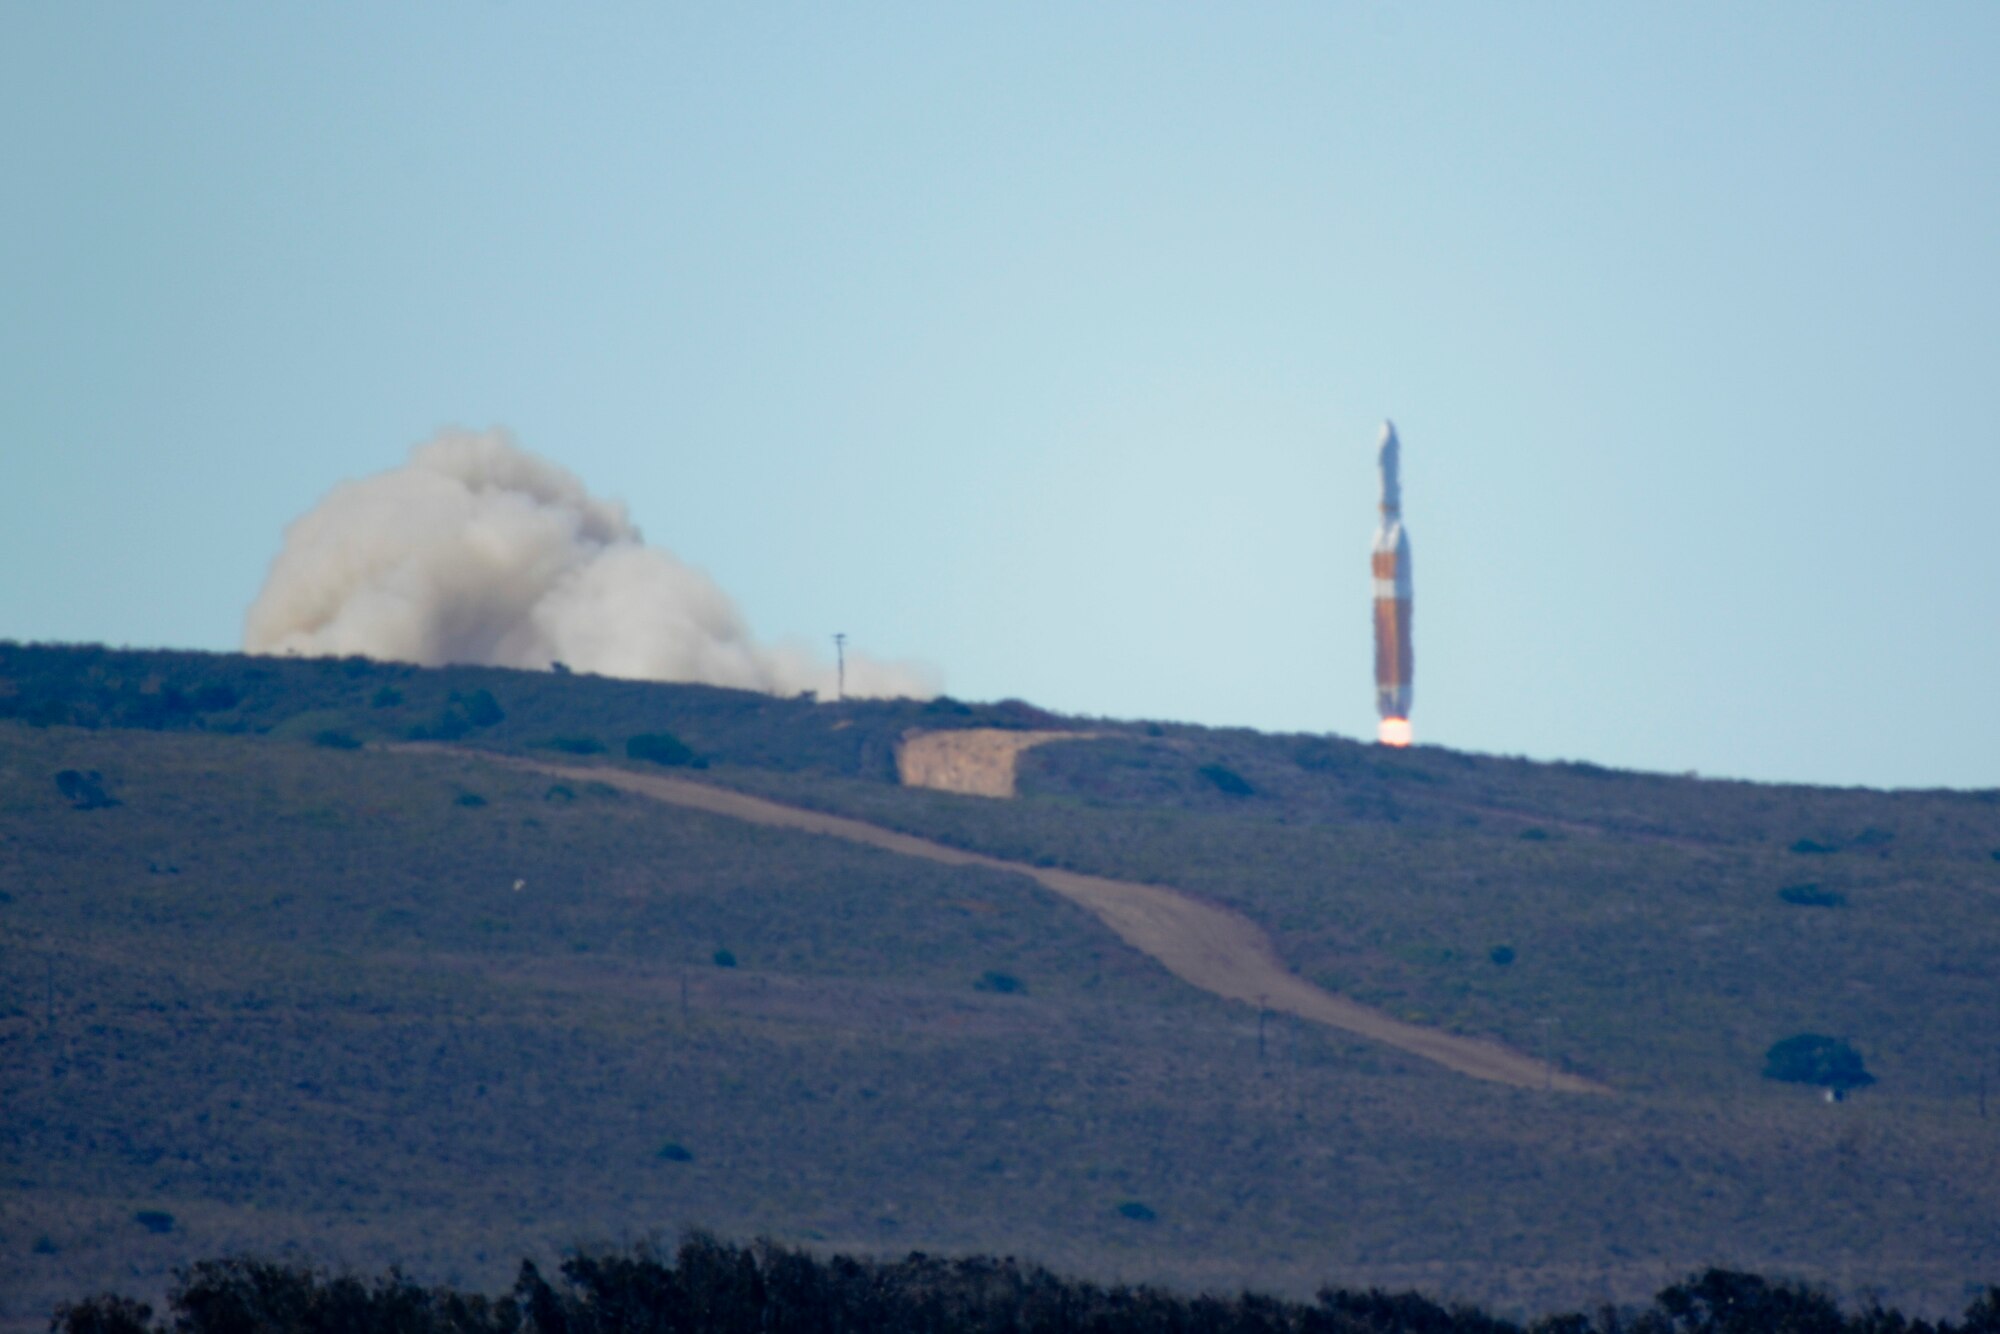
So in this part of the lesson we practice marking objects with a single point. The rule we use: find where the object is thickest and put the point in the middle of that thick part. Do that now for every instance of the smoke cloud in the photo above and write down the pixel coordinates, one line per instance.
(477, 551)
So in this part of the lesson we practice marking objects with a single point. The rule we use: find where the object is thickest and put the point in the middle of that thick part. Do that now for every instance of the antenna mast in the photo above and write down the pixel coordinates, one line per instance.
(839, 667)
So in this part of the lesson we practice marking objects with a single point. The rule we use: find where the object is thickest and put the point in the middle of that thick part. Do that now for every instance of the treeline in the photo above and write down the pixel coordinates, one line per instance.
(356, 700)
(715, 1287)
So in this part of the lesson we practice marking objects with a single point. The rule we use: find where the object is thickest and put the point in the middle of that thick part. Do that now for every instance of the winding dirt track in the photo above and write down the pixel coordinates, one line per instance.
(1203, 945)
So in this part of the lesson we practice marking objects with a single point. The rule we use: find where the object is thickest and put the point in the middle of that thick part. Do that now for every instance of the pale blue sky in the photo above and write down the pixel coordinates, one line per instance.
(1049, 343)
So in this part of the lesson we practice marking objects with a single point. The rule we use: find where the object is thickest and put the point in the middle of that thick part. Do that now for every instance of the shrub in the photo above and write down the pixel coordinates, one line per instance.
(470, 799)
(1005, 984)
(388, 697)
(481, 709)
(1814, 1058)
(449, 725)
(1812, 896)
(335, 739)
(560, 792)
(575, 745)
(154, 1220)
(659, 748)
(1501, 954)
(1813, 847)
(1136, 1211)
(215, 697)
(1226, 781)
(108, 1314)
(85, 790)
(724, 959)
(674, 1153)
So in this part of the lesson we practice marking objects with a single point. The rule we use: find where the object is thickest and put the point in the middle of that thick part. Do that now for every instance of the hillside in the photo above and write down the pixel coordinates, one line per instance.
(285, 993)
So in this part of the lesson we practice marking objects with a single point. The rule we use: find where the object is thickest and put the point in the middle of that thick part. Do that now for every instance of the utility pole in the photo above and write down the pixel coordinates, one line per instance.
(839, 667)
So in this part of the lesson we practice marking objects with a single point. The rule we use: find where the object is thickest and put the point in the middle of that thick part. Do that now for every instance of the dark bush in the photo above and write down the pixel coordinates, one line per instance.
(449, 725)
(659, 748)
(1226, 781)
(1812, 896)
(1136, 1211)
(1813, 847)
(674, 1153)
(1722, 1301)
(1814, 1058)
(1005, 984)
(154, 1220)
(388, 697)
(560, 792)
(1501, 954)
(335, 739)
(575, 745)
(481, 709)
(724, 959)
(85, 790)
(1535, 835)
(215, 697)
(470, 799)
(103, 1315)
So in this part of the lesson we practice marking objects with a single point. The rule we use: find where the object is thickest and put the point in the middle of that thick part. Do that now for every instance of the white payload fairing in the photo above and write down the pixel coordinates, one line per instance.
(1391, 563)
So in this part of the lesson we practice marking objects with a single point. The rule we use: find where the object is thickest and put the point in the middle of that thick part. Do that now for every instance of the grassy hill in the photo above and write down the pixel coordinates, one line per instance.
(278, 990)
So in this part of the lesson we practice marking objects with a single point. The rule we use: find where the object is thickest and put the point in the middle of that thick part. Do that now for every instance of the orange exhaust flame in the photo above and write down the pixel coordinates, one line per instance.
(1395, 732)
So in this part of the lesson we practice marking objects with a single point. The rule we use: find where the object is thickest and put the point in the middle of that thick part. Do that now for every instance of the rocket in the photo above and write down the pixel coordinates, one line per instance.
(1391, 563)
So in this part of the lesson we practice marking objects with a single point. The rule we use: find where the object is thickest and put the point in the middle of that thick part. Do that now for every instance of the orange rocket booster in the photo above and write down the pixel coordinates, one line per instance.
(1391, 562)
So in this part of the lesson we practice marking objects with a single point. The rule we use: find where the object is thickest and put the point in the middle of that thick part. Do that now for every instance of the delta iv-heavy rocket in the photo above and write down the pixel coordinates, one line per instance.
(1391, 562)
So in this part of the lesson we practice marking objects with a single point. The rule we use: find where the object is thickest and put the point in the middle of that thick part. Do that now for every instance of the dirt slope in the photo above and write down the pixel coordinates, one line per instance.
(1203, 945)
(973, 761)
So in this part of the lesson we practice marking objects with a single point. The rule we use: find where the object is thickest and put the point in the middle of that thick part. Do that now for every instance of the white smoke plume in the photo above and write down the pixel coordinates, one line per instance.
(477, 551)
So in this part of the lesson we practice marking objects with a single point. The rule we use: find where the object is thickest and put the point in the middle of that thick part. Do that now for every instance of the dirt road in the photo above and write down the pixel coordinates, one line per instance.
(1203, 945)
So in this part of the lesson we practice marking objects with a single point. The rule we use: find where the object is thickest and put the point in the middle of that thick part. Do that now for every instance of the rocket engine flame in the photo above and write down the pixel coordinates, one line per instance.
(477, 551)
(1395, 732)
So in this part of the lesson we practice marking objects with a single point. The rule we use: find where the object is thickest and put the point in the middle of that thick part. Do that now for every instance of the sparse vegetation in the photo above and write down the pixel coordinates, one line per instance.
(334, 947)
